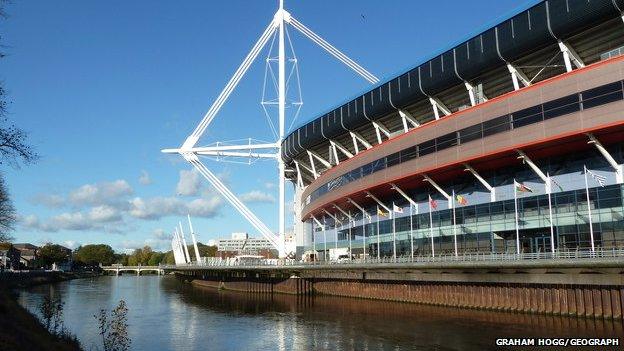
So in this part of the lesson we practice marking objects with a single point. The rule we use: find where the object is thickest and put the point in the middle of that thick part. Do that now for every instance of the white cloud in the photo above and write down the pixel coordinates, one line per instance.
(144, 178)
(161, 234)
(269, 185)
(189, 184)
(158, 207)
(49, 200)
(104, 214)
(257, 196)
(101, 218)
(100, 193)
(71, 244)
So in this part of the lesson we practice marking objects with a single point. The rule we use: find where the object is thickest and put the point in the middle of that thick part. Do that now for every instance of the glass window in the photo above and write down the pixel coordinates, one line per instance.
(470, 133)
(367, 169)
(393, 159)
(426, 148)
(378, 165)
(446, 141)
(409, 153)
(561, 106)
(496, 125)
(527, 116)
(601, 90)
(602, 95)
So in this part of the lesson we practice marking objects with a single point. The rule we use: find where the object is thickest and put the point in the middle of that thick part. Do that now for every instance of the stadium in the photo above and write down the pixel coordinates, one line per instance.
(510, 142)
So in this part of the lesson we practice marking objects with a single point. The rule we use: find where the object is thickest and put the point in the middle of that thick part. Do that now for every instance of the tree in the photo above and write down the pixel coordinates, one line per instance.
(156, 258)
(207, 250)
(7, 212)
(95, 254)
(53, 253)
(121, 259)
(169, 258)
(114, 328)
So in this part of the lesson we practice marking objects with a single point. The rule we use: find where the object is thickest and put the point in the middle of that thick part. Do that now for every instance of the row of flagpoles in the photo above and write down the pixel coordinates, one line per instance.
(461, 200)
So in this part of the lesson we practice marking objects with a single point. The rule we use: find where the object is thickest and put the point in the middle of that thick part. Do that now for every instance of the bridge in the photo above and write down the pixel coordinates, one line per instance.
(138, 269)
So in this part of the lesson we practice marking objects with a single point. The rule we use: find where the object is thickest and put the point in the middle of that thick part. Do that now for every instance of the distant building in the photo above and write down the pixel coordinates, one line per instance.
(29, 254)
(9, 257)
(241, 243)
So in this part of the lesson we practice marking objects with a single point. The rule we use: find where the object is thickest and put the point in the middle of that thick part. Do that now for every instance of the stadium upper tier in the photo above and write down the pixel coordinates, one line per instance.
(546, 40)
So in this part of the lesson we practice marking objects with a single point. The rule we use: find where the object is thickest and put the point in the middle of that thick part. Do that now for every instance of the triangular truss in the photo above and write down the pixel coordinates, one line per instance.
(276, 29)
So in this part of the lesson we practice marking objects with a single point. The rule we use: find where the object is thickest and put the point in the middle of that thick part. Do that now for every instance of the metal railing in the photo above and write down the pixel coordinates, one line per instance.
(467, 257)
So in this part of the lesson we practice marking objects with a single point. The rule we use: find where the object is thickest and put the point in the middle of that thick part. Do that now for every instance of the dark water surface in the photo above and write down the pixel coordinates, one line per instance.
(165, 314)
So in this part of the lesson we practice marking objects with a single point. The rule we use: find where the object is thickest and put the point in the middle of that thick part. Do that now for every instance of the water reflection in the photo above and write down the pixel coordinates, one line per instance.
(168, 315)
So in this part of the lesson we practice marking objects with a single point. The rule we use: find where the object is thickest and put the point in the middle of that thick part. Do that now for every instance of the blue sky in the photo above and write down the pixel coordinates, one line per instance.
(102, 86)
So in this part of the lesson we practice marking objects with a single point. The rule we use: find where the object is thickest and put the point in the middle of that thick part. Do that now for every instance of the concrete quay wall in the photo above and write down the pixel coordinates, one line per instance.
(586, 289)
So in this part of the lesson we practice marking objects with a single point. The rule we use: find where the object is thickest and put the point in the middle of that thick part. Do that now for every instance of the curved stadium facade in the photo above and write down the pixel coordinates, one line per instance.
(511, 141)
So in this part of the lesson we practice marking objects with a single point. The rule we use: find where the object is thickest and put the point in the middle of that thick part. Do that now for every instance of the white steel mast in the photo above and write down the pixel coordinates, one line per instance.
(282, 117)
(191, 152)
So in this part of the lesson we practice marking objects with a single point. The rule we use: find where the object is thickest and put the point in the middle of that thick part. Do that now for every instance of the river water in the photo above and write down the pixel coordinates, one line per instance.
(165, 314)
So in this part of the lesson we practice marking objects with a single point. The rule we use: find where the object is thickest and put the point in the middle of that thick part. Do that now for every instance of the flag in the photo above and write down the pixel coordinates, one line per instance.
(522, 188)
(397, 209)
(597, 177)
(381, 213)
(433, 203)
(461, 200)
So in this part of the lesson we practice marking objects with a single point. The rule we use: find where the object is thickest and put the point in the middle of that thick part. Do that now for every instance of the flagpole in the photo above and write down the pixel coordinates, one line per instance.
(552, 230)
(516, 213)
(351, 224)
(589, 214)
(412, 231)
(378, 247)
(315, 258)
(336, 231)
(454, 223)
(431, 227)
(394, 255)
(364, 234)
(324, 239)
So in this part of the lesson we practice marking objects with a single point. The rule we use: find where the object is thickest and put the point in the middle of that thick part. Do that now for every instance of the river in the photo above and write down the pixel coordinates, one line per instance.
(165, 314)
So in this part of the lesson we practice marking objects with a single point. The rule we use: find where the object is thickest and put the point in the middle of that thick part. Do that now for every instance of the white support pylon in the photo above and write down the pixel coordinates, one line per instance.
(186, 251)
(570, 56)
(190, 153)
(405, 196)
(438, 188)
(518, 76)
(537, 170)
(391, 212)
(619, 169)
(197, 257)
(407, 117)
(487, 185)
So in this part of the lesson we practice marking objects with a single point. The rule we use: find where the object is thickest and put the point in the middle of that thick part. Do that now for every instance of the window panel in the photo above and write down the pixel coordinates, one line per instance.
(562, 106)
(496, 125)
(527, 116)
(470, 133)
(446, 141)
(426, 148)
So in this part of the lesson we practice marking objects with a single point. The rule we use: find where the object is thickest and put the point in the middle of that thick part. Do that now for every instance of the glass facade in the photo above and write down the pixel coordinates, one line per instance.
(483, 226)
(572, 103)
(490, 227)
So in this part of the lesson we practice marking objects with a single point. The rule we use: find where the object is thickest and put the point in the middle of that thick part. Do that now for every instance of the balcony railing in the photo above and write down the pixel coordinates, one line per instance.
(407, 260)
